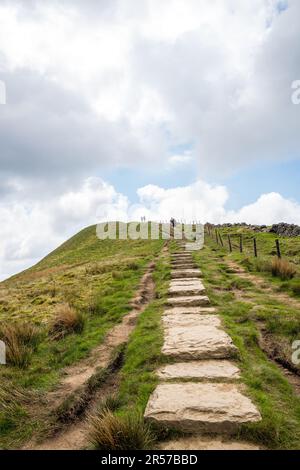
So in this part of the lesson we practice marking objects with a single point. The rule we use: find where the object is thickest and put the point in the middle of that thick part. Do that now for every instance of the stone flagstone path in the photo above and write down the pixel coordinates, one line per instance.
(199, 391)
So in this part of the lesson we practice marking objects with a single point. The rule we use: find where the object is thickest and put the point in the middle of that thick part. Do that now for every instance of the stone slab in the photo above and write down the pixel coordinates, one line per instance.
(186, 281)
(182, 273)
(188, 289)
(201, 407)
(197, 342)
(181, 265)
(190, 310)
(202, 370)
(191, 321)
(188, 301)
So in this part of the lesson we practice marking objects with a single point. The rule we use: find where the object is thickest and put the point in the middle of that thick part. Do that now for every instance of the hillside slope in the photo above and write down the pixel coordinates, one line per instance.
(71, 273)
(93, 279)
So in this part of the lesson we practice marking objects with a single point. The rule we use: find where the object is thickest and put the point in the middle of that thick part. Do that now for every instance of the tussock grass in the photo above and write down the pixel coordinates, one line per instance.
(289, 327)
(283, 269)
(21, 339)
(111, 403)
(133, 266)
(110, 432)
(67, 320)
(98, 268)
(260, 265)
(11, 397)
(278, 267)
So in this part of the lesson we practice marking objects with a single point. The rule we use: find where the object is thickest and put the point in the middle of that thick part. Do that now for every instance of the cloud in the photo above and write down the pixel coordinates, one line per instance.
(47, 130)
(180, 159)
(199, 201)
(268, 209)
(116, 84)
(207, 203)
(229, 97)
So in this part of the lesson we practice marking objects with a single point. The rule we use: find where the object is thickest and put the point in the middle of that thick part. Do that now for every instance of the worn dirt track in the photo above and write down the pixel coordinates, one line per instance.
(73, 436)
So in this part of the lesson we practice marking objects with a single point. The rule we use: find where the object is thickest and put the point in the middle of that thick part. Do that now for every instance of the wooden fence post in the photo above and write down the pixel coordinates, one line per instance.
(278, 248)
(241, 243)
(221, 239)
(217, 238)
(229, 243)
(255, 247)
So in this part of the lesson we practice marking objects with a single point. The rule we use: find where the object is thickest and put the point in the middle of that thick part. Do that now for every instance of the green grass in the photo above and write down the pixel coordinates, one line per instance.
(96, 277)
(243, 317)
(266, 247)
(143, 354)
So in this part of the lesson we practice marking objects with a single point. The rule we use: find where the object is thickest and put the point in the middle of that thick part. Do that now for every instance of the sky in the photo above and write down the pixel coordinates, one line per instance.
(119, 109)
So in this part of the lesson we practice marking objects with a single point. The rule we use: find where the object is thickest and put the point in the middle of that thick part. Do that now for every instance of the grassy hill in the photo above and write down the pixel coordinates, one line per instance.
(79, 271)
(91, 283)
(89, 280)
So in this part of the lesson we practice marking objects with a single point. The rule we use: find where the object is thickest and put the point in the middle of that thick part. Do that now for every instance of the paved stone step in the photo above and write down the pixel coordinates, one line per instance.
(181, 273)
(186, 290)
(182, 261)
(193, 320)
(201, 407)
(185, 256)
(206, 443)
(184, 281)
(183, 267)
(187, 282)
(181, 255)
(190, 310)
(202, 370)
(188, 301)
(197, 342)
(195, 288)
(184, 264)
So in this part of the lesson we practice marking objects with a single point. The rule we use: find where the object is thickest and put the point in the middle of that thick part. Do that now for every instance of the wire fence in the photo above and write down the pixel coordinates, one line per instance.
(237, 242)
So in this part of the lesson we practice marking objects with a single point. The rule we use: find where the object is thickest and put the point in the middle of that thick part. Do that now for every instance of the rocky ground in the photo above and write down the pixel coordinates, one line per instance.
(281, 229)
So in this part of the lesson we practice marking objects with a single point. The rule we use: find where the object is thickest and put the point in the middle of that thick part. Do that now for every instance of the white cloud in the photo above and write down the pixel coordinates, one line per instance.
(180, 159)
(94, 201)
(199, 201)
(268, 209)
(217, 74)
